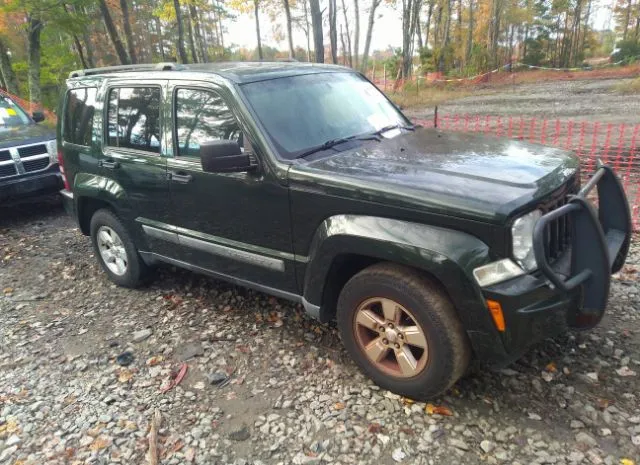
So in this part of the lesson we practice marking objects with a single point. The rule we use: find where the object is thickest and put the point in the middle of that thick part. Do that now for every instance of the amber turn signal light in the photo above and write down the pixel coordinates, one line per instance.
(496, 313)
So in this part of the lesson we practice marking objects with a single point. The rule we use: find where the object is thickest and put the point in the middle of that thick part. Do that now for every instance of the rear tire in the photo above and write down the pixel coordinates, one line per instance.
(389, 350)
(116, 251)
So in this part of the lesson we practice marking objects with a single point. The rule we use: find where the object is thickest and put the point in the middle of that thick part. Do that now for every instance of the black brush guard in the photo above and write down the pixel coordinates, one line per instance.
(599, 245)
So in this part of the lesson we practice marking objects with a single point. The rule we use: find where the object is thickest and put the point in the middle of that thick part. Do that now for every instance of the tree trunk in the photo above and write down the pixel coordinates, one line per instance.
(128, 35)
(367, 39)
(195, 21)
(192, 42)
(287, 13)
(445, 38)
(333, 33)
(356, 35)
(585, 27)
(33, 49)
(346, 45)
(627, 20)
(8, 76)
(318, 38)
(470, 34)
(256, 12)
(113, 33)
(160, 39)
(427, 28)
(307, 30)
(181, 50)
(410, 10)
(88, 46)
(419, 36)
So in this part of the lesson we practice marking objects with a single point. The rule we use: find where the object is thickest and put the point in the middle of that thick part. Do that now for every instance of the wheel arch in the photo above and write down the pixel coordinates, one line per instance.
(344, 245)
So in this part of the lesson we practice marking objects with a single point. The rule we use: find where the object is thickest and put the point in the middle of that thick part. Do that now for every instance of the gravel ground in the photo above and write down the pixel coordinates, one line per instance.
(265, 384)
(580, 100)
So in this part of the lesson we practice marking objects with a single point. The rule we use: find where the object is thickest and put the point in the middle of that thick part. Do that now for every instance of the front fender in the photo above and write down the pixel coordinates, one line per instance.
(448, 255)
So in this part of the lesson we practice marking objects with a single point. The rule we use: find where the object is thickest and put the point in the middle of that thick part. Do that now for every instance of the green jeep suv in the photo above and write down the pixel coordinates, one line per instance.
(28, 155)
(305, 182)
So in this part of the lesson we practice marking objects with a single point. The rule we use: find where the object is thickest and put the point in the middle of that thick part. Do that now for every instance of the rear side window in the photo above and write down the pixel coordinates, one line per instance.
(202, 116)
(133, 118)
(78, 115)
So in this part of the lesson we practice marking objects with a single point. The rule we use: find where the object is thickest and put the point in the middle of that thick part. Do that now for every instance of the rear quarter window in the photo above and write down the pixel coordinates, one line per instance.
(80, 108)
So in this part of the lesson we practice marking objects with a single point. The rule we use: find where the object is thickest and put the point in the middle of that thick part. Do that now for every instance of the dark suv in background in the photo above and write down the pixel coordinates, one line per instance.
(304, 181)
(28, 155)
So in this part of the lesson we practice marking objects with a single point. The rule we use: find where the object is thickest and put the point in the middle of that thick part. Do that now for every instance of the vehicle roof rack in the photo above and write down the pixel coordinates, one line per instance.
(166, 66)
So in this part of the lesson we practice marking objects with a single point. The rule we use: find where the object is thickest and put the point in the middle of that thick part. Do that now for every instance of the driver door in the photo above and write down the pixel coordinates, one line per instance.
(233, 224)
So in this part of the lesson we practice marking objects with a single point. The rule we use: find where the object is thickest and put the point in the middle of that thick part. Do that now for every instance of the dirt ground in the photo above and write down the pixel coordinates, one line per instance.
(580, 100)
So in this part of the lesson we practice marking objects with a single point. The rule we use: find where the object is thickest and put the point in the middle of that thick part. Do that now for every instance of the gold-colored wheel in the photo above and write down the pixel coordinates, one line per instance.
(390, 337)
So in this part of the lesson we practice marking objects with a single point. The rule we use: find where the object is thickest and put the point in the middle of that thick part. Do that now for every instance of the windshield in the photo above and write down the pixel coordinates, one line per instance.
(11, 115)
(306, 111)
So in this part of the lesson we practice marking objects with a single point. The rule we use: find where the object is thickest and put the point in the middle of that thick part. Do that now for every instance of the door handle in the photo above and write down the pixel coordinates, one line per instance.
(110, 164)
(180, 176)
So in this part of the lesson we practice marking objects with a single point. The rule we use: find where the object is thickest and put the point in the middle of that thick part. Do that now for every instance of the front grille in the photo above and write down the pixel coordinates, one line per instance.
(7, 170)
(5, 155)
(35, 165)
(558, 232)
(31, 150)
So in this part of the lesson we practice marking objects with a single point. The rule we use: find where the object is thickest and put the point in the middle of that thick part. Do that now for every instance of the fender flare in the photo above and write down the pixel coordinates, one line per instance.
(448, 255)
(88, 186)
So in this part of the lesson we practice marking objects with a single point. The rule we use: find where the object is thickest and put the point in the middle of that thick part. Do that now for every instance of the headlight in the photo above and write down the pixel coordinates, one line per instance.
(522, 236)
(52, 150)
(496, 272)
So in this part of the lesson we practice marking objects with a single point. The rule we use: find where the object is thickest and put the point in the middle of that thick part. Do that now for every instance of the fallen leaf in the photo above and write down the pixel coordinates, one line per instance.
(438, 410)
(339, 406)
(179, 377)
(7, 290)
(627, 462)
(100, 443)
(551, 367)
(153, 361)
(407, 401)
(603, 403)
(125, 376)
(375, 428)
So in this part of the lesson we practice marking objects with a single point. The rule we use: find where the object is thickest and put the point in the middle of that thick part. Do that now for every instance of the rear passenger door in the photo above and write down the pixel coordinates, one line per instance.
(133, 155)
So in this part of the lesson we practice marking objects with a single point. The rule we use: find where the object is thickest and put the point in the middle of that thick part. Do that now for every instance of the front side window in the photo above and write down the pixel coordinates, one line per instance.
(301, 112)
(202, 116)
(78, 115)
(133, 118)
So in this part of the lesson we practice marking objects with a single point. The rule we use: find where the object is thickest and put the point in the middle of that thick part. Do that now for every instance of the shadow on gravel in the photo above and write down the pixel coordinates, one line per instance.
(20, 211)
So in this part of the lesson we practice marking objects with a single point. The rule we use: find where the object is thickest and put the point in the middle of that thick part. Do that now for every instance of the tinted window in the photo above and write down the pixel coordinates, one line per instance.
(202, 116)
(133, 118)
(78, 116)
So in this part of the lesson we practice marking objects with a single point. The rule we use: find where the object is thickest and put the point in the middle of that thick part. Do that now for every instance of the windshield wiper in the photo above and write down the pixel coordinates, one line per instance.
(384, 129)
(325, 146)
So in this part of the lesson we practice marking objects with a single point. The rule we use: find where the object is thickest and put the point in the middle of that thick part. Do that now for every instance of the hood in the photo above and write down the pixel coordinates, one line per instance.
(451, 173)
(24, 135)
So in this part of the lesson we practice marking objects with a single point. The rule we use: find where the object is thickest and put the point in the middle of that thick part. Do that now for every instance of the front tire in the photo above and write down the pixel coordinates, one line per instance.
(402, 331)
(116, 251)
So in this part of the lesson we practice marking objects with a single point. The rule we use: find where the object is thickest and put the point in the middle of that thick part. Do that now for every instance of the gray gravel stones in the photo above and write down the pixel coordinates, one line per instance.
(259, 393)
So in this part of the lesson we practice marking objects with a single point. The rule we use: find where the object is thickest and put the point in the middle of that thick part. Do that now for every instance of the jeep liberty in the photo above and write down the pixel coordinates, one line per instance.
(305, 182)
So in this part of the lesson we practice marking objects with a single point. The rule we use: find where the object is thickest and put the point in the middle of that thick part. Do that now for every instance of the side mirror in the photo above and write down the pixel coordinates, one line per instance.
(224, 156)
(37, 116)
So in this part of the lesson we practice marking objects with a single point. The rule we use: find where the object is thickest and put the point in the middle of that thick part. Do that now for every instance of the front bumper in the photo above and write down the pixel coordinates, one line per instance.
(46, 182)
(571, 292)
